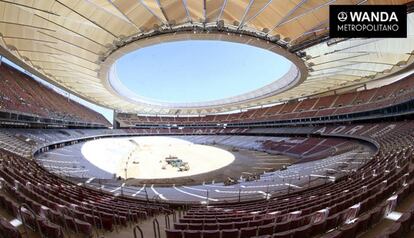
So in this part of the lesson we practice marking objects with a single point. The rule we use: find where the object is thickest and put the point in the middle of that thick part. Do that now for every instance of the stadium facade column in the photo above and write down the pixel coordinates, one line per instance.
(115, 124)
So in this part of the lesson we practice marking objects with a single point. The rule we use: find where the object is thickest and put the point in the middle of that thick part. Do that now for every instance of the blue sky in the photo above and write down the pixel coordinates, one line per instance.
(192, 71)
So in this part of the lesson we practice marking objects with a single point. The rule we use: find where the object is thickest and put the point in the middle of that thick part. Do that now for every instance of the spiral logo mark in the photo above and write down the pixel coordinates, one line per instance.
(342, 16)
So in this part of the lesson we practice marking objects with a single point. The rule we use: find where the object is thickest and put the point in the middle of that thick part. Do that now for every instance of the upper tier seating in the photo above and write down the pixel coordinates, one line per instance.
(22, 94)
(398, 92)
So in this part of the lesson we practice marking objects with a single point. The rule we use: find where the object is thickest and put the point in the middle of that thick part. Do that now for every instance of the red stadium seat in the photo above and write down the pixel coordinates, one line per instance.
(285, 234)
(248, 232)
(211, 226)
(8, 230)
(230, 233)
(211, 234)
(173, 233)
(266, 229)
(192, 234)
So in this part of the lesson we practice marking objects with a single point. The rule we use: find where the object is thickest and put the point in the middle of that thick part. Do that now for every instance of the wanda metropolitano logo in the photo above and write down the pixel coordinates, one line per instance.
(342, 16)
(368, 21)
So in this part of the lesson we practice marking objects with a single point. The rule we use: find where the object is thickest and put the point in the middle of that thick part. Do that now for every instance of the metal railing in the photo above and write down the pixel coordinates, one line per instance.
(156, 228)
(33, 214)
(140, 231)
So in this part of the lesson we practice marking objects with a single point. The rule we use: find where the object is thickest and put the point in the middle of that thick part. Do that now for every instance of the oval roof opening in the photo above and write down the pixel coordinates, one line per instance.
(198, 70)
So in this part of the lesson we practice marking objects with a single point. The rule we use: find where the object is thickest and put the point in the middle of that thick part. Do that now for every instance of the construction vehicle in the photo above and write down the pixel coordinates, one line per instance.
(175, 162)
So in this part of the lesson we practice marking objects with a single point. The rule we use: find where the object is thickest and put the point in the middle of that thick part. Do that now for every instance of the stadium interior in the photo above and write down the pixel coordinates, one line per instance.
(325, 151)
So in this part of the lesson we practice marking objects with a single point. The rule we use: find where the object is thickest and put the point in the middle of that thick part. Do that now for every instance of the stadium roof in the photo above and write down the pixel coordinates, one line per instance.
(73, 44)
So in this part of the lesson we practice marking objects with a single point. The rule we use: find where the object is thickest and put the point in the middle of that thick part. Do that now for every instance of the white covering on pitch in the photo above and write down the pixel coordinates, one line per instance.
(115, 154)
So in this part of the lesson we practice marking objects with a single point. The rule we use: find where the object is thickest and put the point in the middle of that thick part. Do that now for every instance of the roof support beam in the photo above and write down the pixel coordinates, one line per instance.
(312, 77)
(43, 61)
(93, 75)
(75, 32)
(126, 17)
(349, 57)
(242, 20)
(362, 70)
(163, 12)
(153, 13)
(365, 42)
(336, 74)
(67, 42)
(257, 13)
(330, 68)
(222, 10)
(314, 29)
(25, 25)
(38, 52)
(327, 80)
(69, 62)
(69, 53)
(30, 7)
(288, 15)
(285, 21)
(205, 10)
(368, 62)
(29, 39)
(53, 69)
(88, 19)
(186, 11)
(83, 77)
